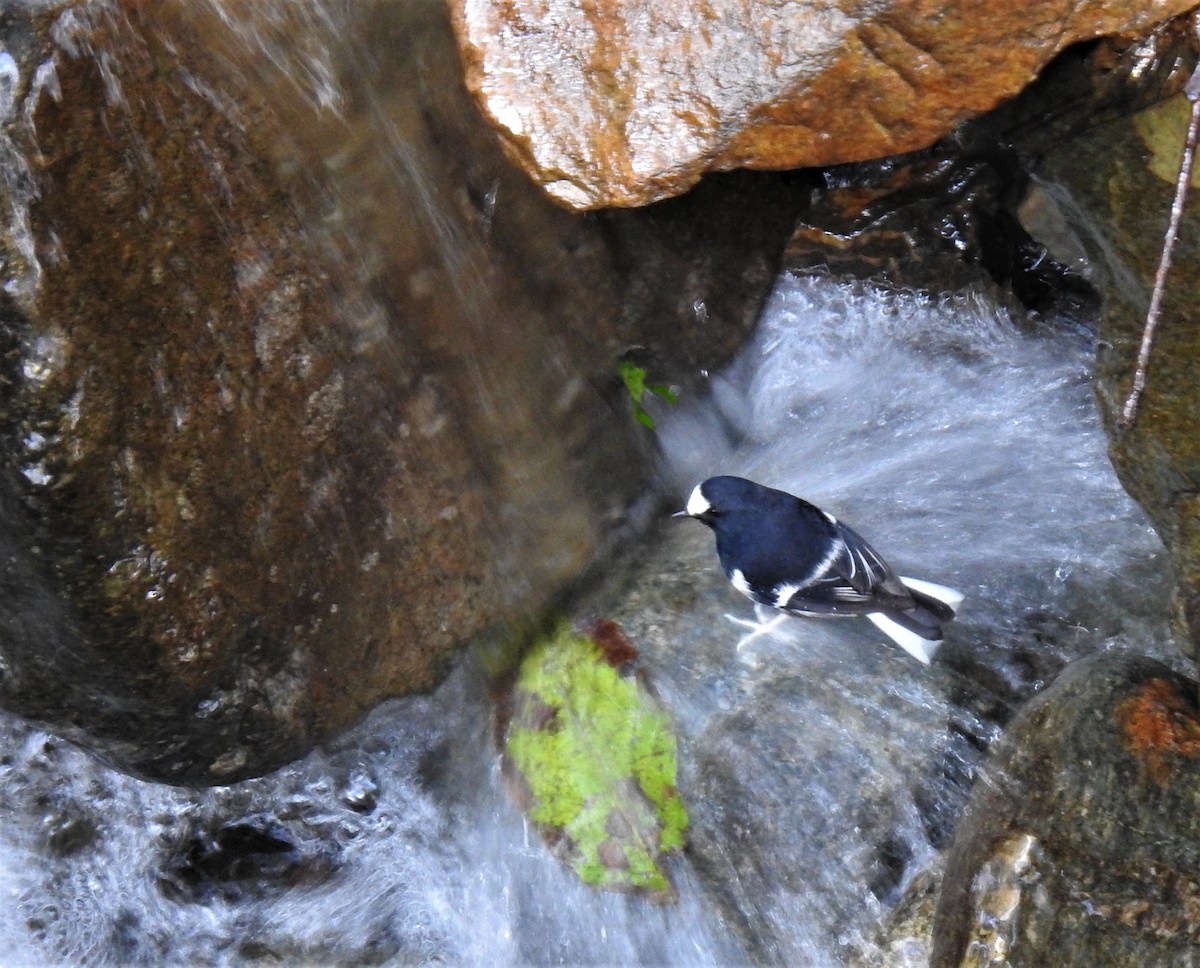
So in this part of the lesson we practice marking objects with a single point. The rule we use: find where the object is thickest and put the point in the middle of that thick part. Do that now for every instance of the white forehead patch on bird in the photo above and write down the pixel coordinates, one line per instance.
(697, 504)
(738, 580)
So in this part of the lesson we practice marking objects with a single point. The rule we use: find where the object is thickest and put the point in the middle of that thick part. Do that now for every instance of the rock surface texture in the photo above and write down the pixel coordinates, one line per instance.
(1079, 844)
(1121, 199)
(304, 384)
(609, 103)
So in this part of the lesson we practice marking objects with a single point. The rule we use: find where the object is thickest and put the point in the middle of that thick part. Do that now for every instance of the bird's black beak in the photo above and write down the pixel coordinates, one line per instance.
(681, 514)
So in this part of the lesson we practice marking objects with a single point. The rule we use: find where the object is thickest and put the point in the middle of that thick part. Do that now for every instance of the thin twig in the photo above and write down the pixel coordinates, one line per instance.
(1192, 90)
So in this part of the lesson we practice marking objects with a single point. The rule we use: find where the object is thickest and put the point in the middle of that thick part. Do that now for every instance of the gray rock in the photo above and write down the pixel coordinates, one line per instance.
(1079, 845)
(1114, 190)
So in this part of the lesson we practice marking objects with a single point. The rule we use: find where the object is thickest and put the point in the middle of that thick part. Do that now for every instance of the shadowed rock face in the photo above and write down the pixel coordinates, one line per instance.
(1079, 842)
(305, 386)
(1120, 198)
(622, 104)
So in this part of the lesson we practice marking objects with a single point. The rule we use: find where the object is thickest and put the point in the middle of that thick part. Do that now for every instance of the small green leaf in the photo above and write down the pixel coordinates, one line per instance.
(595, 756)
(664, 391)
(634, 378)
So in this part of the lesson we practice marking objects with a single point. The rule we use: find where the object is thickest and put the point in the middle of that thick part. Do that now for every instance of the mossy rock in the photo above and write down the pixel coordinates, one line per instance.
(594, 758)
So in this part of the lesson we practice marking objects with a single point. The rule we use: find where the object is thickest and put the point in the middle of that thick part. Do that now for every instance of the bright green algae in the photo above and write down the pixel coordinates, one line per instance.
(598, 758)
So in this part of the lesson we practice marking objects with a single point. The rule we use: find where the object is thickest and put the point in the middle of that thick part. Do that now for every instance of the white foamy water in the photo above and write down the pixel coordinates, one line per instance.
(821, 773)
(966, 449)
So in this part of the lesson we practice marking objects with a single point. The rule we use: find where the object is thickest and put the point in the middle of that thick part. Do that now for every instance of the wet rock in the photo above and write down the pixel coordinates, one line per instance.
(903, 938)
(796, 821)
(957, 217)
(940, 223)
(1079, 845)
(822, 769)
(1112, 191)
(769, 777)
(625, 104)
(303, 384)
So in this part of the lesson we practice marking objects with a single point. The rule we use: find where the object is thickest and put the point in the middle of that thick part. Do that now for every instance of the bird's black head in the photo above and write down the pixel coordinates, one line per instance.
(713, 499)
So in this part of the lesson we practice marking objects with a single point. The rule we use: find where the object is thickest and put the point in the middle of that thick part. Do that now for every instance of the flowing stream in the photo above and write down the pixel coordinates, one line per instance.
(823, 768)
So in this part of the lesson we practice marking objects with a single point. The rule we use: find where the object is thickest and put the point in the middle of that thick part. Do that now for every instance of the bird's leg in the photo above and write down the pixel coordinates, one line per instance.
(759, 628)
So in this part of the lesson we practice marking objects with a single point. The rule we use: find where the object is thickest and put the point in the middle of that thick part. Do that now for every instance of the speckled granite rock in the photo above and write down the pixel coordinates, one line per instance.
(622, 104)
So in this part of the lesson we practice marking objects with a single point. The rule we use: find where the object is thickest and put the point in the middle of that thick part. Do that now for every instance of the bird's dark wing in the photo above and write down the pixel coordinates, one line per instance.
(852, 579)
(863, 568)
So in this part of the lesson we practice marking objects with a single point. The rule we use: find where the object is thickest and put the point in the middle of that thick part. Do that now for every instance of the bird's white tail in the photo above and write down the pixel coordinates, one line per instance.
(950, 597)
(919, 648)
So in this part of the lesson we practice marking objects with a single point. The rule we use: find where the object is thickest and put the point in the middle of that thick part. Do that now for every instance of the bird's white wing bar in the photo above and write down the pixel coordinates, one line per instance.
(822, 571)
(860, 564)
(870, 563)
(784, 593)
(738, 580)
(920, 649)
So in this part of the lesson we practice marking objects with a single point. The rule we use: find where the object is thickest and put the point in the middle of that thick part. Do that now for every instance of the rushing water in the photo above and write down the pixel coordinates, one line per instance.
(823, 769)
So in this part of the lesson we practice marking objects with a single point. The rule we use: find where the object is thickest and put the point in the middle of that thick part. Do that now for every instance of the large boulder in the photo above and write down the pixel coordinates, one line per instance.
(304, 384)
(1080, 843)
(622, 104)
(1111, 191)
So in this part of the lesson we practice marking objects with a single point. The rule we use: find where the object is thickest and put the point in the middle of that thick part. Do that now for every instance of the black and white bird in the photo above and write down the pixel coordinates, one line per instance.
(787, 554)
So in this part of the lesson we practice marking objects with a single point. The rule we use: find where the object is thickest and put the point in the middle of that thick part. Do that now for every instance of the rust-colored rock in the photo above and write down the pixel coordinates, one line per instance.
(1161, 728)
(624, 103)
(303, 384)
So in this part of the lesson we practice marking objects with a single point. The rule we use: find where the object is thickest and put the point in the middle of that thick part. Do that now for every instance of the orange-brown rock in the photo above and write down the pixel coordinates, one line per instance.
(609, 103)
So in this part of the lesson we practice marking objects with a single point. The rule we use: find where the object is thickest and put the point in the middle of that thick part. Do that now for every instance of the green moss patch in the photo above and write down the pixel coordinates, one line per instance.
(595, 756)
